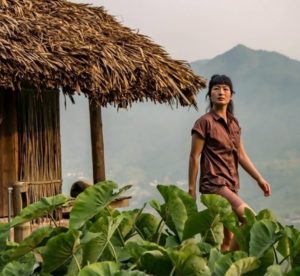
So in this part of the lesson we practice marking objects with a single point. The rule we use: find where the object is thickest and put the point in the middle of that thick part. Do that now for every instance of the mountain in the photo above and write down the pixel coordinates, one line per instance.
(149, 144)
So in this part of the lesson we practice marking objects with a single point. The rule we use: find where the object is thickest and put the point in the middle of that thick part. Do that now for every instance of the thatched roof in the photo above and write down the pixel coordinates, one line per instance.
(55, 43)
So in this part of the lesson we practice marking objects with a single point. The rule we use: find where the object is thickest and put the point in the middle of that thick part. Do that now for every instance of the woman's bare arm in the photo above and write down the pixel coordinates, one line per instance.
(196, 149)
(249, 167)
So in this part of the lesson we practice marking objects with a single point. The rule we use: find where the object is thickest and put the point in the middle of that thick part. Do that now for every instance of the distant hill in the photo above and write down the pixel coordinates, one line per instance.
(150, 144)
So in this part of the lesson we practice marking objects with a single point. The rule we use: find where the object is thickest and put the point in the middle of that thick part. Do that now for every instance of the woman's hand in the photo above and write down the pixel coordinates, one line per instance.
(265, 186)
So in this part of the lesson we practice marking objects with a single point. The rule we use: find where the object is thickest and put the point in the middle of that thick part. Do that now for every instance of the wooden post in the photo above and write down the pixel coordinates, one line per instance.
(23, 230)
(97, 143)
(8, 147)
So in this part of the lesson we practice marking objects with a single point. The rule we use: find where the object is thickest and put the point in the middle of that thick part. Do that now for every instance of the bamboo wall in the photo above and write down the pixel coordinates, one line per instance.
(39, 143)
(30, 145)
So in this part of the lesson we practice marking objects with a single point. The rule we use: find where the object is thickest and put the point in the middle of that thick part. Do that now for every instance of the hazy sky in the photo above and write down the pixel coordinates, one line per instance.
(201, 29)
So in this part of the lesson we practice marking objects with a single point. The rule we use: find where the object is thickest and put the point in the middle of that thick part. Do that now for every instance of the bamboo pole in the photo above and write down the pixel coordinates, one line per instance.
(97, 143)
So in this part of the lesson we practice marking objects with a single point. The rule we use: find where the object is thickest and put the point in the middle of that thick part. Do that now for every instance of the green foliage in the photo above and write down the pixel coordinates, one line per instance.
(38, 209)
(182, 241)
(92, 201)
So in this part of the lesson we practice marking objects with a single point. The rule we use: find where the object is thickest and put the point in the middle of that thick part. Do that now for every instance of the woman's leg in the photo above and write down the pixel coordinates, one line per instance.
(238, 206)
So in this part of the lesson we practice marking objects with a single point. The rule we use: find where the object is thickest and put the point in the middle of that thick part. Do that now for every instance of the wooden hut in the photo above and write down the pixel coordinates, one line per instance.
(48, 46)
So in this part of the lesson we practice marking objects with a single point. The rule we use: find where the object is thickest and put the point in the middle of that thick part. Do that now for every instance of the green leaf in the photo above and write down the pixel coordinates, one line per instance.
(186, 258)
(147, 225)
(27, 245)
(263, 235)
(100, 269)
(266, 214)
(265, 261)
(92, 201)
(38, 209)
(295, 271)
(215, 235)
(219, 206)
(242, 266)
(195, 266)
(215, 254)
(188, 202)
(137, 248)
(173, 211)
(60, 250)
(156, 262)
(4, 234)
(242, 236)
(216, 204)
(223, 263)
(177, 208)
(205, 248)
(197, 223)
(130, 273)
(274, 270)
(127, 226)
(98, 238)
(250, 216)
(155, 205)
(23, 267)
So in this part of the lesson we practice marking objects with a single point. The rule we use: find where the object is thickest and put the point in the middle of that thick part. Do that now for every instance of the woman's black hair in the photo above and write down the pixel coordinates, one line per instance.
(220, 79)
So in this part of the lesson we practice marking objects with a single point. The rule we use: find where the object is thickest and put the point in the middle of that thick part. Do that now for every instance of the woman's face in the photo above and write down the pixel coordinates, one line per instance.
(220, 95)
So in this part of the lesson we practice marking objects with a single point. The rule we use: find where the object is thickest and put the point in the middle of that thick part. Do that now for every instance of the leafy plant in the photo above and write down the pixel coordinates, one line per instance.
(180, 241)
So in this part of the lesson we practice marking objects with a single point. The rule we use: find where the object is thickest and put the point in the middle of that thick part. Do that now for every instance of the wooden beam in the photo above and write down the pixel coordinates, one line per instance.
(8, 147)
(97, 143)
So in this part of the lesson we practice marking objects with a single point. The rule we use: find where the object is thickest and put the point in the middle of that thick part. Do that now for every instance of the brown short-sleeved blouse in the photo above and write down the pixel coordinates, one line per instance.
(219, 157)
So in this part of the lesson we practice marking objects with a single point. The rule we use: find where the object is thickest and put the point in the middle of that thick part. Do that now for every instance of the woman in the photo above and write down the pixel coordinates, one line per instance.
(216, 137)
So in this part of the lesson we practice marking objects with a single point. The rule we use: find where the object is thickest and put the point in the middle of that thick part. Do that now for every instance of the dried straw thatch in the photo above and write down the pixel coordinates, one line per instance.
(55, 43)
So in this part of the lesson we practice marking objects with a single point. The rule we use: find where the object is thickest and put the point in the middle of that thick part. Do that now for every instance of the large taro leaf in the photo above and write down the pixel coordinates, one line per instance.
(98, 238)
(24, 266)
(127, 226)
(4, 234)
(195, 266)
(100, 269)
(263, 235)
(92, 201)
(38, 209)
(137, 248)
(180, 254)
(242, 266)
(130, 273)
(197, 223)
(265, 261)
(242, 236)
(27, 245)
(156, 262)
(223, 262)
(187, 260)
(214, 255)
(294, 272)
(266, 214)
(177, 208)
(218, 205)
(60, 250)
(215, 234)
(289, 245)
(285, 244)
(207, 224)
(274, 270)
(147, 226)
(188, 202)
(250, 216)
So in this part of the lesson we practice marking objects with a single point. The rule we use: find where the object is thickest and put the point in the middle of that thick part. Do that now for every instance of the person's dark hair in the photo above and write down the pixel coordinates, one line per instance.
(220, 79)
